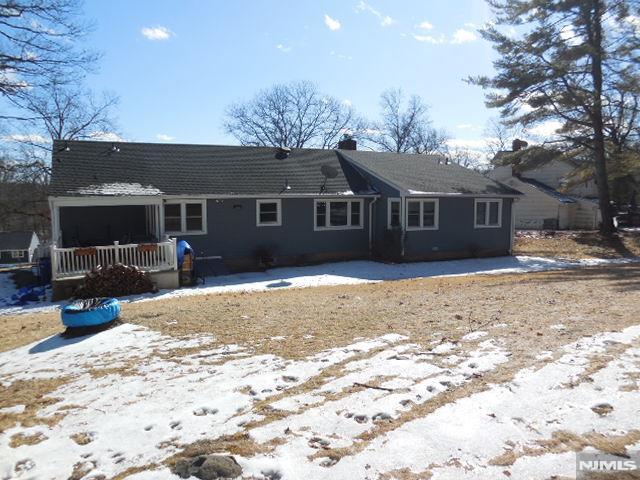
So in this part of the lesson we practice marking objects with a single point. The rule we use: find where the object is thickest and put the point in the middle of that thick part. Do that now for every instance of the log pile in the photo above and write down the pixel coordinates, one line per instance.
(115, 281)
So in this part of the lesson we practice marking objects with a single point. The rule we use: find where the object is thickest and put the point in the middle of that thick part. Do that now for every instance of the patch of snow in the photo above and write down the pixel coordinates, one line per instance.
(118, 189)
(459, 439)
(14, 409)
(139, 417)
(352, 273)
(558, 326)
(474, 336)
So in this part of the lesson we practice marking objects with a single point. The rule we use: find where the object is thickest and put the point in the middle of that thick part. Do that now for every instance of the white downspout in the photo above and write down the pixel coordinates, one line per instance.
(513, 226)
(403, 222)
(371, 224)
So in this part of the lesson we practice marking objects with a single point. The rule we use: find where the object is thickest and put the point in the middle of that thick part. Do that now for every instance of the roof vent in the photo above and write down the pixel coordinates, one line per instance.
(283, 152)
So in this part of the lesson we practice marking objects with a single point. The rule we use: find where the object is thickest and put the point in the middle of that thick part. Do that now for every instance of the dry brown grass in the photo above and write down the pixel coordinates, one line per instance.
(563, 441)
(82, 438)
(405, 474)
(19, 439)
(580, 244)
(34, 394)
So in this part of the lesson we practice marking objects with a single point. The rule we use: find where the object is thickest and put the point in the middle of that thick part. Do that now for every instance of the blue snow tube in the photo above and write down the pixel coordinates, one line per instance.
(90, 312)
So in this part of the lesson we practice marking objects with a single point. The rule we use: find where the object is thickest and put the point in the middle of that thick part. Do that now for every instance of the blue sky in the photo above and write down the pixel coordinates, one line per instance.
(177, 65)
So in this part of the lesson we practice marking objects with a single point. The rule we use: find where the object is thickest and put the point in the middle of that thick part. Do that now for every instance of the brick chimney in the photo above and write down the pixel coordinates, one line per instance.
(347, 143)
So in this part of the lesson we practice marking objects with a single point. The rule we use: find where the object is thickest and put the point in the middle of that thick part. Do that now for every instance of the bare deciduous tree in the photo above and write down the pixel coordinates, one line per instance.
(295, 115)
(39, 41)
(405, 126)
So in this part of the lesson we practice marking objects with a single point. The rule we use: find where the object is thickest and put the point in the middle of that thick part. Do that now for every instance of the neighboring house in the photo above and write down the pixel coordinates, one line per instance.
(17, 247)
(252, 206)
(549, 200)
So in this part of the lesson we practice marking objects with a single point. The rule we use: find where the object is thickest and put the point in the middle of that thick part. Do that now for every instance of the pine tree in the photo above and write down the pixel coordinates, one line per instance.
(567, 60)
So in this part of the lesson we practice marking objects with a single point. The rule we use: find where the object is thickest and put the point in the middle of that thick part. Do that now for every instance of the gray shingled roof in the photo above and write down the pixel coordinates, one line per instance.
(83, 168)
(93, 168)
(561, 197)
(15, 240)
(426, 174)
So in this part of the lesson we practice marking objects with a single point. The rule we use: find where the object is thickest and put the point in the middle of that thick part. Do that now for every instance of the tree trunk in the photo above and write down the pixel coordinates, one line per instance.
(594, 25)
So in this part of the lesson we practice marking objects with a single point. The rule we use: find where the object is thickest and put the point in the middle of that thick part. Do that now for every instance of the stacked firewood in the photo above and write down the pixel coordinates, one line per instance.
(115, 281)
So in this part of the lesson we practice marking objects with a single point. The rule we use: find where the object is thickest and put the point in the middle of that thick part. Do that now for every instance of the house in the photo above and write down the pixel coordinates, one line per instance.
(252, 206)
(18, 247)
(550, 201)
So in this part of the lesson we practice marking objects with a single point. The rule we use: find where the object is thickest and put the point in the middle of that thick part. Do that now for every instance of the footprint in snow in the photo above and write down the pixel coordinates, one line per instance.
(176, 425)
(317, 442)
(289, 378)
(148, 428)
(199, 412)
(361, 418)
(380, 416)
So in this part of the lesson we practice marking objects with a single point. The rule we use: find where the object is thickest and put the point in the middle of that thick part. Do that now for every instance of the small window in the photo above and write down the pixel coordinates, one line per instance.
(184, 217)
(17, 254)
(321, 214)
(422, 214)
(172, 218)
(194, 217)
(338, 214)
(393, 213)
(413, 214)
(268, 213)
(488, 213)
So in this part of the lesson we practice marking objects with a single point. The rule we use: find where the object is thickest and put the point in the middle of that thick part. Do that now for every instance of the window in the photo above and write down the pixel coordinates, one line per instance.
(393, 213)
(338, 214)
(185, 217)
(422, 214)
(488, 213)
(268, 213)
(17, 253)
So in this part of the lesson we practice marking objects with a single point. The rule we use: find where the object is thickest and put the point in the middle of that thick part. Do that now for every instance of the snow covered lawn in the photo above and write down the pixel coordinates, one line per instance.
(128, 399)
(345, 273)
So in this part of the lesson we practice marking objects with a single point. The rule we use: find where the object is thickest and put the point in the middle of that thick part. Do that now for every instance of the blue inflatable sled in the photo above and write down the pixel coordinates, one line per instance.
(91, 312)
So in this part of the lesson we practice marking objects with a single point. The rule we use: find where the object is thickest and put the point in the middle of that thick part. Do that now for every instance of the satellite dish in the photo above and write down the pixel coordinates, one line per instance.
(328, 171)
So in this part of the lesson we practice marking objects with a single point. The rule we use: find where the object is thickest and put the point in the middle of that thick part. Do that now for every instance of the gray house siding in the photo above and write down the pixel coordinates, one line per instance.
(232, 234)
(6, 257)
(385, 243)
(457, 236)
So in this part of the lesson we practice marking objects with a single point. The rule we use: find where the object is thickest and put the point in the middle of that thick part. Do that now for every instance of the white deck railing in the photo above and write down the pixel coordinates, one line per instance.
(77, 262)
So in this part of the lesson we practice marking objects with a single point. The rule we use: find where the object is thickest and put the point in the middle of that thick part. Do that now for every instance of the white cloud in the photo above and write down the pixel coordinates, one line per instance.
(341, 56)
(467, 126)
(430, 39)
(157, 33)
(546, 129)
(332, 23)
(463, 36)
(26, 138)
(478, 144)
(385, 20)
(284, 48)
(425, 25)
(163, 137)
(107, 137)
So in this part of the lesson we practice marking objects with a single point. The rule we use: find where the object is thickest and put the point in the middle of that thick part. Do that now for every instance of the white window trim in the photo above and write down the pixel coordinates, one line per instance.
(17, 253)
(390, 201)
(183, 217)
(278, 222)
(328, 201)
(436, 216)
(486, 212)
